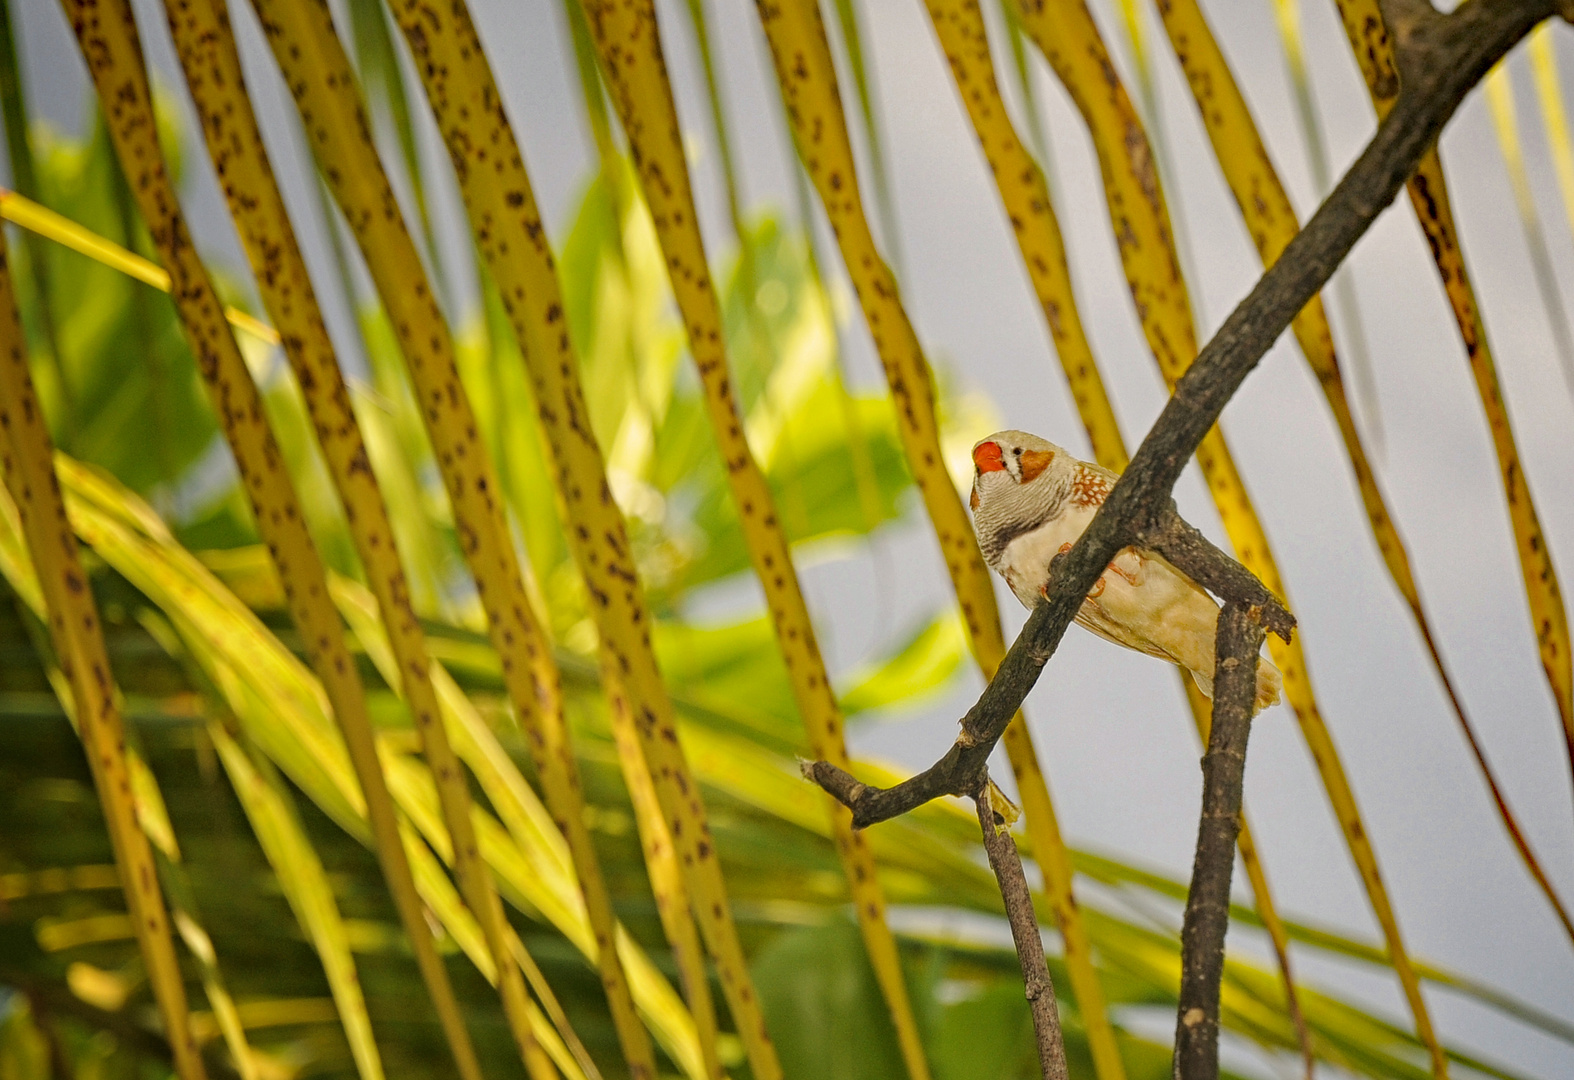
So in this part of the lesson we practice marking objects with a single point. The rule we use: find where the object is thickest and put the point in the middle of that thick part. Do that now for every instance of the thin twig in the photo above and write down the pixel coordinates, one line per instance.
(1240, 636)
(1441, 57)
(1005, 861)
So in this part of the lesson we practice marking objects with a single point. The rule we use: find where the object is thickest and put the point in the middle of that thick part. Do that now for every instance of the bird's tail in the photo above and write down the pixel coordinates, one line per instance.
(1268, 685)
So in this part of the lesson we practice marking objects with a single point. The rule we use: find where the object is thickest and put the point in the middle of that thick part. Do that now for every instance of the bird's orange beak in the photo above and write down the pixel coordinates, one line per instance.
(987, 458)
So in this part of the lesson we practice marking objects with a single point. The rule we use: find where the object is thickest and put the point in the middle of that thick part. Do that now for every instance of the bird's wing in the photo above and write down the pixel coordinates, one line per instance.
(1098, 470)
(1092, 617)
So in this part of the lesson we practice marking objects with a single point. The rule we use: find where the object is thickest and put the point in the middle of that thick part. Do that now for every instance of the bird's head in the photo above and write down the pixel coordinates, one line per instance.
(1018, 479)
(1011, 459)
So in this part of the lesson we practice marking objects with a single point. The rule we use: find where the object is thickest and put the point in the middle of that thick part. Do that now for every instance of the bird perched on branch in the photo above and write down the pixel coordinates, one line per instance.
(1032, 499)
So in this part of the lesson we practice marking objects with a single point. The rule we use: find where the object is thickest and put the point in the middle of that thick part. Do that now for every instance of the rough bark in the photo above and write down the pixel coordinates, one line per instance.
(1237, 643)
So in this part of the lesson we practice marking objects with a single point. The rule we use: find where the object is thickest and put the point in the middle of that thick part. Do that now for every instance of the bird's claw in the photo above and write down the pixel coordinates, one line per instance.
(1099, 585)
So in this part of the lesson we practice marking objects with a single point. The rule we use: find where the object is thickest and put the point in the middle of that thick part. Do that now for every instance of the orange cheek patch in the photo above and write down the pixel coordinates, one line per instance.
(1035, 462)
(972, 500)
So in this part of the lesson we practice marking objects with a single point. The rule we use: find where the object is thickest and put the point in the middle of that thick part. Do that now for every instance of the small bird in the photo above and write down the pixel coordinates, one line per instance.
(1032, 499)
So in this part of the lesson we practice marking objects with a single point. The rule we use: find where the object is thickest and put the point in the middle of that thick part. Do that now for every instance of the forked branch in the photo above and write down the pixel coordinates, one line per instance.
(1441, 57)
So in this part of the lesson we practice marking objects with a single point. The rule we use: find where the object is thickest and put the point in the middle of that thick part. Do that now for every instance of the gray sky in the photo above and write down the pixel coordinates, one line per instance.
(1111, 725)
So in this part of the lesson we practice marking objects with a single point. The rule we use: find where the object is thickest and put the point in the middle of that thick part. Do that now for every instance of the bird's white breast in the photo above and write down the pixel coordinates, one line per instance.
(1024, 562)
(1140, 601)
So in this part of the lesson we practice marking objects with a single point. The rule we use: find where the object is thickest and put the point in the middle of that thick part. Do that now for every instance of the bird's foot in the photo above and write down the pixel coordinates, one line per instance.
(1132, 578)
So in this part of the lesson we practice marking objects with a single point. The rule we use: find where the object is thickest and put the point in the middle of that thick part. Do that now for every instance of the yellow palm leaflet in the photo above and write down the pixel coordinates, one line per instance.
(1023, 191)
(666, 874)
(207, 52)
(747, 280)
(266, 803)
(1346, 303)
(273, 820)
(1499, 86)
(862, 466)
(1271, 221)
(26, 454)
(42, 221)
(1429, 197)
(153, 818)
(303, 39)
(1549, 92)
(498, 196)
(151, 812)
(849, 22)
(499, 199)
(808, 84)
(1066, 34)
(500, 781)
(630, 52)
(440, 894)
(108, 38)
(285, 714)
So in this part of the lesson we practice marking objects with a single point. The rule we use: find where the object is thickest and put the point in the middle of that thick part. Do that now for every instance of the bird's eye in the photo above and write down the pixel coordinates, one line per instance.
(1018, 451)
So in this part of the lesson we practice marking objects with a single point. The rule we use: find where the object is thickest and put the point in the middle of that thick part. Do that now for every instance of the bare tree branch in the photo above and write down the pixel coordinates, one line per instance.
(1199, 559)
(1006, 862)
(1240, 636)
(1441, 58)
